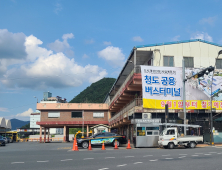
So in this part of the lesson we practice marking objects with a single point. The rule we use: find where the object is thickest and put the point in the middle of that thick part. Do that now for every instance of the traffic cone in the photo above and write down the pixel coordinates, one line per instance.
(90, 147)
(116, 147)
(103, 147)
(128, 146)
(74, 144)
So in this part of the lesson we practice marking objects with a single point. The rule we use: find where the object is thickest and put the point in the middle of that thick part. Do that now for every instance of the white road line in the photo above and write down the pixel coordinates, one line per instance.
(166, 155)
(219, 153)
(129, 156)
(198, 153)
(195, 155)
(109, 157)
(207, 154)
(212, 152)
(42, 161)
(182, 154)
(147, 155)
(87, 158)
(182, 157)
(138, 163)
(66, 159)
(17, 162)
(121, 165)
(153, 160)
(103, 168)
(168, 158)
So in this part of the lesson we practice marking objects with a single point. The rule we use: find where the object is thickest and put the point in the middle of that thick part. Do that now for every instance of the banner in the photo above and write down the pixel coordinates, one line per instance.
(164, 85)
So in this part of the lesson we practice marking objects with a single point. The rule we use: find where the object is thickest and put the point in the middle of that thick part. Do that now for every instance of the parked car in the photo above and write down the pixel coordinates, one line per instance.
(9, 139)
(6, 140)
(2, 141)
(106, 137)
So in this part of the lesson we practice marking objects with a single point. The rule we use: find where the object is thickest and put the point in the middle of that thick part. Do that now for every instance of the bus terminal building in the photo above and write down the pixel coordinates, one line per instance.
(125, 100)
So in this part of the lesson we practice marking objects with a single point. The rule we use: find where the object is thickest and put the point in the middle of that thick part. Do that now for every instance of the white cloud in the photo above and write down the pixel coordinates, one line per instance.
(12, 45)
(25, 113)
(85, 56)
(91, 41)
(113, 55)
(202, 36)
(209, 20)
(138, 39)
(3, 109)
(62, 46)
(176, 38)
(43, 69)
(107, 43)
(58, 8)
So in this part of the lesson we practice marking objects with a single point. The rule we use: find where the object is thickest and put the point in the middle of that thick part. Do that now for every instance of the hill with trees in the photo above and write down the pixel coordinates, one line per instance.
(95, 93)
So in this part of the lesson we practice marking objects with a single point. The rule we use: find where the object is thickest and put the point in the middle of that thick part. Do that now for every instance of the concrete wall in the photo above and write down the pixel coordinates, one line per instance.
(204, 54)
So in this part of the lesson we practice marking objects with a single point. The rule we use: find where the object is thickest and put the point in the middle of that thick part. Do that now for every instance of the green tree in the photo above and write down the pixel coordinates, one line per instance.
(27, 126)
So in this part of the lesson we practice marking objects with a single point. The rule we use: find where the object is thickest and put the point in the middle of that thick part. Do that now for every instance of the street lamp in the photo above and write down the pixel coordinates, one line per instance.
(36, 98)
(211, 116)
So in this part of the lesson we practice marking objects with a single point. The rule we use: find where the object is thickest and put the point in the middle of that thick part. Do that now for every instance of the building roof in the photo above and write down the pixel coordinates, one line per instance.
(99, 125)
(2, 122)
(177, 42)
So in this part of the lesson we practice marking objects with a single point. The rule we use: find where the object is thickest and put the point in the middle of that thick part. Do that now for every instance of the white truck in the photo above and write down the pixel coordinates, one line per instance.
(170, 138)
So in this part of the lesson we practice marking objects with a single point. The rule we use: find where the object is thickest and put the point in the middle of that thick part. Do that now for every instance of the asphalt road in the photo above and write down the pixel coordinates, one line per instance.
(58, 156)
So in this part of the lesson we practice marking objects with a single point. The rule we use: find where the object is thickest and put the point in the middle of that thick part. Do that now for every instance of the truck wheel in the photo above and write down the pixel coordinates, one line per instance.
(192, 144)
(170, 145)
(85, 145)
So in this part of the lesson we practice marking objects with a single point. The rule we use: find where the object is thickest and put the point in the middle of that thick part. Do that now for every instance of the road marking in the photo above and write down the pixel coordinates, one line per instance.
(103, 168)
(147, 155)
(87, 158)
(128, 156)
(212, 152)
(219, 153)
(182, 154)
(153, 160)
(138, 163)
(195, 155)
(207, 154)
(198, 153)
(42, 161)
(17, 162)
(182, 157)
(66, 159)
(168, 158)
(166, 155)
(121, 165)
(109, 157)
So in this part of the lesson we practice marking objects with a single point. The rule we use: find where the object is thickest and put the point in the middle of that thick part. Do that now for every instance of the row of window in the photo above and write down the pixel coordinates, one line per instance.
(168, 61)
(75, 114)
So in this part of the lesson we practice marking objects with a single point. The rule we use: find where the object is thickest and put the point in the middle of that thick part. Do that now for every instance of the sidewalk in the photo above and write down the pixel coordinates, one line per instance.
(207, 145)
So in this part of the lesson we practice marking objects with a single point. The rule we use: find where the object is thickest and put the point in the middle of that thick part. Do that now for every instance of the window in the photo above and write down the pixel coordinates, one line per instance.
(141, 131)
(149, 133)
(170, 132)
(53, 114)
(109, 134)
(219, 64)
(152, 128)
(188, 61)
(168, 61)
(77, 114)
(100, 135)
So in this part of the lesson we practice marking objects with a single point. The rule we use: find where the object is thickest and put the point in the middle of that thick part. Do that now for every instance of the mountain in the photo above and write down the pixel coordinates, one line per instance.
(95, 93)
(18, 123)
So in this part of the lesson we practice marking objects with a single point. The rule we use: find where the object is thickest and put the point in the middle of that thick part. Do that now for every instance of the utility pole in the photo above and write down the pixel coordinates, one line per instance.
(184, 98)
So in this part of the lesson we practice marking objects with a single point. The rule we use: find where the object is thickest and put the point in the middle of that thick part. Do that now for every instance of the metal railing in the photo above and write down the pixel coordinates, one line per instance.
(118, 93)
(132, 104)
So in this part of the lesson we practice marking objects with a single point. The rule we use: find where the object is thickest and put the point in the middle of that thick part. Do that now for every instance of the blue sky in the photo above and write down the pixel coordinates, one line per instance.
(64, 46)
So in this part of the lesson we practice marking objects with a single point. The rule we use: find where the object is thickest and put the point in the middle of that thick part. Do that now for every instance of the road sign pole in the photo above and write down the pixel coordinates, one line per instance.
(184, 97)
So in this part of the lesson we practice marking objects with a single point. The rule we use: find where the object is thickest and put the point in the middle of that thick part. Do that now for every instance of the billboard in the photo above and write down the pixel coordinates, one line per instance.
(164, 85)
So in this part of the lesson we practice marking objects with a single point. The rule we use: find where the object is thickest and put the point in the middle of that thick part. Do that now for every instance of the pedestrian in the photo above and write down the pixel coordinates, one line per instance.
(192, 132)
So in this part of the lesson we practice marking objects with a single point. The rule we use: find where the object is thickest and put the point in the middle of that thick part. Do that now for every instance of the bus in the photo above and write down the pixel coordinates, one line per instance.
(11, 134)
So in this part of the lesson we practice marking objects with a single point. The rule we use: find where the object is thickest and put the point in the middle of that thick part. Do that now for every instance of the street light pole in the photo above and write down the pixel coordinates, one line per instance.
(211, 114)
(184, 97)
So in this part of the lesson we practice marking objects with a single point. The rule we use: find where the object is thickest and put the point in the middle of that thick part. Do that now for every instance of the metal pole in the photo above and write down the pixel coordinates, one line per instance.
(82, 123)
(184, 97)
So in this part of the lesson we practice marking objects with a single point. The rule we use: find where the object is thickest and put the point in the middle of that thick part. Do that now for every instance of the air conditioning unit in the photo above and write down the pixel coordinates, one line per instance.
(147, 116)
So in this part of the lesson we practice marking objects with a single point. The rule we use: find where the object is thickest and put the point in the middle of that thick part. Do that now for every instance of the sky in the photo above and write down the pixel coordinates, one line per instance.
(63, 46)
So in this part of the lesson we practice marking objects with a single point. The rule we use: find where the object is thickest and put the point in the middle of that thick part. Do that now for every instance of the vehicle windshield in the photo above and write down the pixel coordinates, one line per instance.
(163, 132)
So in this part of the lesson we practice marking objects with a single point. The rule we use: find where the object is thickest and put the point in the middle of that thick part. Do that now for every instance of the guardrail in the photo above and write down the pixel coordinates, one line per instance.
(37, 139)
(133, 103)
(118, 93)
